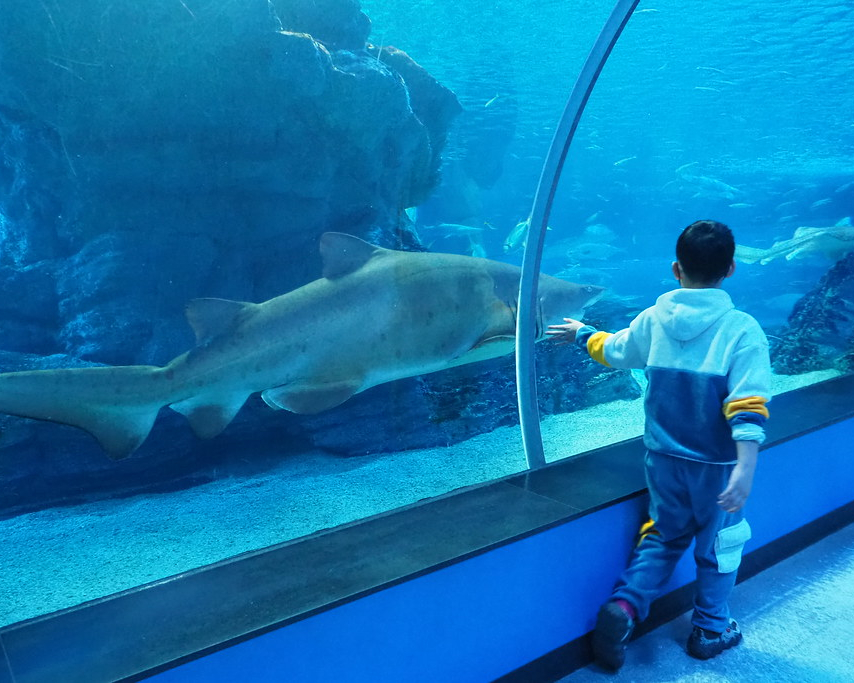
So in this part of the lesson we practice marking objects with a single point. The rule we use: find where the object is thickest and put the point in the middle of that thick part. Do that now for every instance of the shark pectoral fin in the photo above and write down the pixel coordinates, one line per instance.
(486, 349)
(120, 435)
(503, 343)
(210, 317)
(305, 399)
(207, 415)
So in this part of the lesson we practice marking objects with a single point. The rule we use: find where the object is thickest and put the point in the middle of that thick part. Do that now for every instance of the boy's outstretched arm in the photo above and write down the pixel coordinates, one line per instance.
(734, 496)
(623, 349)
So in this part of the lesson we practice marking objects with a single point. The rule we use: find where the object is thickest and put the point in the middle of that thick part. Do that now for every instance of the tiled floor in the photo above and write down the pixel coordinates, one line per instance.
(798, 623)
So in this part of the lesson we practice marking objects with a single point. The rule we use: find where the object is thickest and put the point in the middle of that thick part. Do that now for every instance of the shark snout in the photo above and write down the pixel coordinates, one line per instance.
(594, 292)
(567, 300)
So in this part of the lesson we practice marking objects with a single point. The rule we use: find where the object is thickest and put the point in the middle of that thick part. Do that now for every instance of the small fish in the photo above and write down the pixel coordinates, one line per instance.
(517, 237)
(592, 251)
(600, 232)
(712, 188)
(709, 68)
(705, 87)
(649, 10)
(820, 202)
(593, 217)
(476, 247)
(623, 161)
(784, 206)
(843, 188)
(688, 165)
(450, 229)
(740, 205)
(489, 103)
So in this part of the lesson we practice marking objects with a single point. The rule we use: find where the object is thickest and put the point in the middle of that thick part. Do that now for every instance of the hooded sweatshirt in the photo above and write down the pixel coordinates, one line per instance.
(708, 370)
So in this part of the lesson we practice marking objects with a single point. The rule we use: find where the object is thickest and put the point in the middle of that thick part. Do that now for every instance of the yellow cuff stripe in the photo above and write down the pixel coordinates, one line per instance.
(596, 347)
(751, 404)
(647, 529)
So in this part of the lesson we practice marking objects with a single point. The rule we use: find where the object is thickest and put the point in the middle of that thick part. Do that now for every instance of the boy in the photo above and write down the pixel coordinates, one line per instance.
(709, 375)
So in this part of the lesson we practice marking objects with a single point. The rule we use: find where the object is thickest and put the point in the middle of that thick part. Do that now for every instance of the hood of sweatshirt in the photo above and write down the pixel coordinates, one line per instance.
(686, 313)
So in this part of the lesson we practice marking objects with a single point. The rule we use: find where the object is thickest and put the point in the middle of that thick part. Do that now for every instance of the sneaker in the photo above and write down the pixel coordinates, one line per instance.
(704, 644)
(614, 627)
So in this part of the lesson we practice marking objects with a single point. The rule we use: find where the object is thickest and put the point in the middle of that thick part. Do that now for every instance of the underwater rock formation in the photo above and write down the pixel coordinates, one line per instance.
(820, 334)
(220, 143)
(338, 24)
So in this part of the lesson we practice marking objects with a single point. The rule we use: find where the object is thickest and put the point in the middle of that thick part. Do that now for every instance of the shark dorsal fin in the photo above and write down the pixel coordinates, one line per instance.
(343, 254)
(210, 317)
(844, 223)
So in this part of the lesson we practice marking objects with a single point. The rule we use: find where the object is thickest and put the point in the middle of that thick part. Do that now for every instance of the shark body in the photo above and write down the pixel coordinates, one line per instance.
(832, 242)
(375, 316)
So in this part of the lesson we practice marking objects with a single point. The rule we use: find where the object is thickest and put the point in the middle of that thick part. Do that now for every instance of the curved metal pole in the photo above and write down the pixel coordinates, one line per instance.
(526, 323)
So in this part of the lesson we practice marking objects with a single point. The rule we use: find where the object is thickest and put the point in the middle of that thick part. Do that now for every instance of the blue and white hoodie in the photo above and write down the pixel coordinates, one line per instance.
(708, 369)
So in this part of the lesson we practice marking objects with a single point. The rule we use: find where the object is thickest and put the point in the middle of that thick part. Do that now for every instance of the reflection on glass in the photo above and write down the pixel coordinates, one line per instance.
(160, 154)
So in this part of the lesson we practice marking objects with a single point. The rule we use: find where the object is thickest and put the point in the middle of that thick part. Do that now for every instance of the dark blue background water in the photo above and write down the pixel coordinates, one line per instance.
(741, 112)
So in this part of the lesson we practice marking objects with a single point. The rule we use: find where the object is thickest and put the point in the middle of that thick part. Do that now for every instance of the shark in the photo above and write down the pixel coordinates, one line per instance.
(376, 315)
(832, 242)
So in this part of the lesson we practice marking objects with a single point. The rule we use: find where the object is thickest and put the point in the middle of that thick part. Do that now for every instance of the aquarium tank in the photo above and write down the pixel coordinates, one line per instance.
(259, 259)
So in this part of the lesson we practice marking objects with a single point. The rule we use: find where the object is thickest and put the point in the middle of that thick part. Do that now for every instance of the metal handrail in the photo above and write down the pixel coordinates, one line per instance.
(526, 323)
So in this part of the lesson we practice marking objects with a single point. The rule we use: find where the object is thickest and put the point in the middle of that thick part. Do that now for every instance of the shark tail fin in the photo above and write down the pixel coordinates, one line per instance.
(116, 405)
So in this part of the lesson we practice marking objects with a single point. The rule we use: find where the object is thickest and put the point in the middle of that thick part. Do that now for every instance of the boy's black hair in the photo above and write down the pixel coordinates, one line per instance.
(705, 250)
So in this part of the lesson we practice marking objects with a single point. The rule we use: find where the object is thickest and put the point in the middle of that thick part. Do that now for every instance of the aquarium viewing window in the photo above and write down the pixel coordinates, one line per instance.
(167, 168)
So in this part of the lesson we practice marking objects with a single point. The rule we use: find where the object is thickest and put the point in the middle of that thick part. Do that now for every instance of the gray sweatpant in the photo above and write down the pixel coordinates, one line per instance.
(683, 506)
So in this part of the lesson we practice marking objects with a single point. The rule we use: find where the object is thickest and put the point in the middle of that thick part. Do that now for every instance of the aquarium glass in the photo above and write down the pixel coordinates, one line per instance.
(169, 169)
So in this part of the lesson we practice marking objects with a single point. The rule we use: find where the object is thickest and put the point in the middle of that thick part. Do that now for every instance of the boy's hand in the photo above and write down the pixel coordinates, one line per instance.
(565, 334)
(734, 496)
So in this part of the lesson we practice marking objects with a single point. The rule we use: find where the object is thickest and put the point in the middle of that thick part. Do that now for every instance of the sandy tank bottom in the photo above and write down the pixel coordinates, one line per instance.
(57, 558)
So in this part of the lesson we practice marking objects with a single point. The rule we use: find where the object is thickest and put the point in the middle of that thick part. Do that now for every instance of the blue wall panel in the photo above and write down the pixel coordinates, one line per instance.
(471, 621)
(801, 480)
(489, 615)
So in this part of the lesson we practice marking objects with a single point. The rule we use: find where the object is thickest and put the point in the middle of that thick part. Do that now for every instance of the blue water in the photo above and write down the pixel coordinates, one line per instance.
(695, 97)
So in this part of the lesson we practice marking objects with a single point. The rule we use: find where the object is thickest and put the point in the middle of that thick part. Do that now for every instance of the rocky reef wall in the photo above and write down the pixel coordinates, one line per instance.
(160, 151)
(820, 333)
